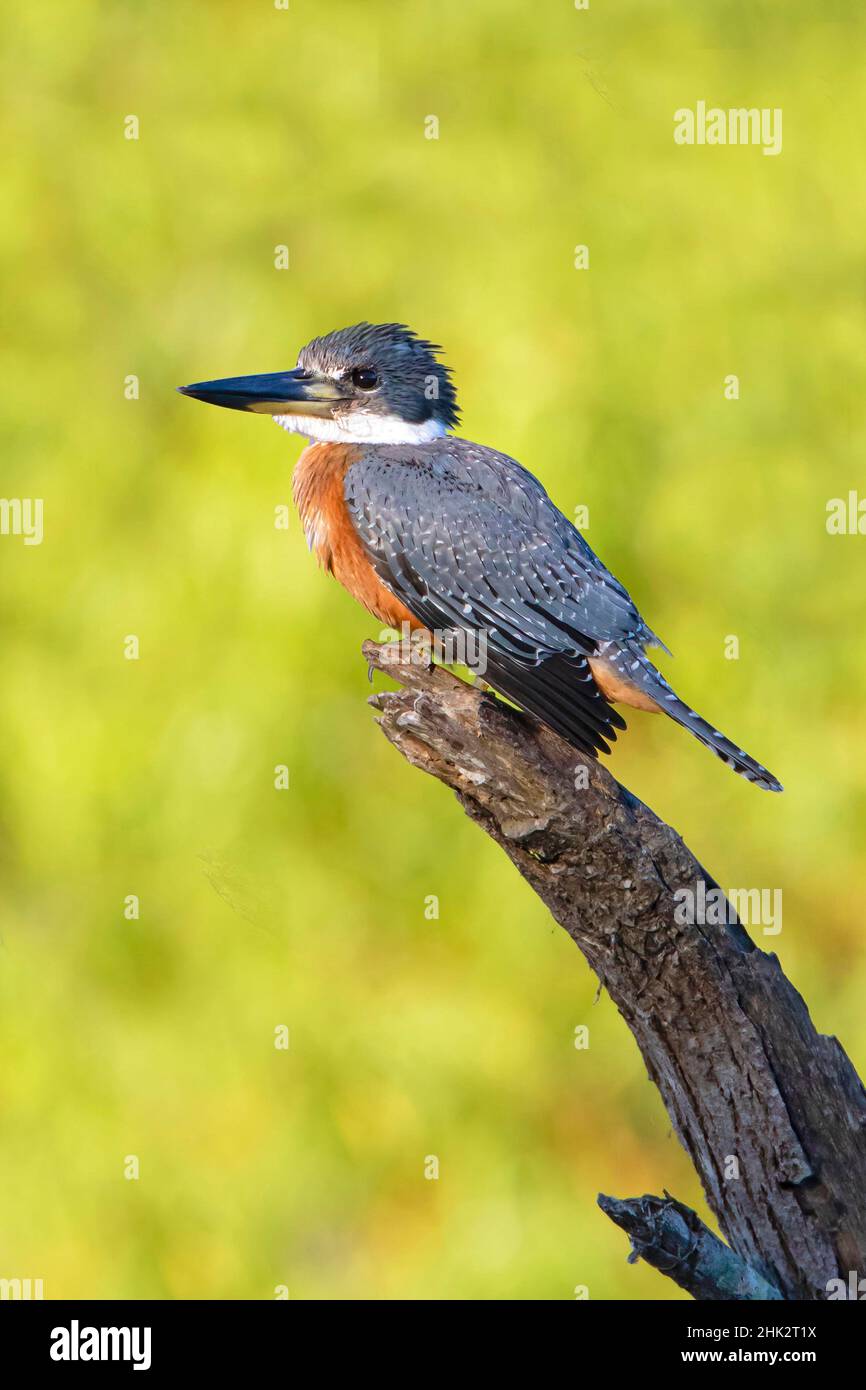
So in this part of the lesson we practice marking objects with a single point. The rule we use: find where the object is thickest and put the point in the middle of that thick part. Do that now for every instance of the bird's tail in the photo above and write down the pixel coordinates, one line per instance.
(637, 668)
(718, 743)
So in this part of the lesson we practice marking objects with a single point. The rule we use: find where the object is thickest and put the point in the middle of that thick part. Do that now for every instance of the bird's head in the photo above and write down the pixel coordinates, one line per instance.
(374, 383)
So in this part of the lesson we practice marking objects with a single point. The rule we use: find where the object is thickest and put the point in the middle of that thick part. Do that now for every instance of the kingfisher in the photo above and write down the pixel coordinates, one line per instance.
(431, 531)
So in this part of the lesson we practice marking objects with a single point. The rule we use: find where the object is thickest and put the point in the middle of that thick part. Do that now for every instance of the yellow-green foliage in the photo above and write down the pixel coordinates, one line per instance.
(409, 1036)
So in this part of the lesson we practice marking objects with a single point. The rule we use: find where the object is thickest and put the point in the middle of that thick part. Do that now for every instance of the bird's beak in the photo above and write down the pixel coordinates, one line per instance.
(277, 393)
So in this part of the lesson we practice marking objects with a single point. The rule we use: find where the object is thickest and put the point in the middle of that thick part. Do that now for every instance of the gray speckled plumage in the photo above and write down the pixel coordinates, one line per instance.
(475, 518)
(469, 540)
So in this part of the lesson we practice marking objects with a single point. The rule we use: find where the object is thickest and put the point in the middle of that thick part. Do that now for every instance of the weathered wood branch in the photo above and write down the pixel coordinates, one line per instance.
(673, 1238)
(771, 1113)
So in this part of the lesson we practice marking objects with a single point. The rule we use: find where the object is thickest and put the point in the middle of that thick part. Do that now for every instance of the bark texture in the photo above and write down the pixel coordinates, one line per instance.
(771, 1113)
(673, 1239)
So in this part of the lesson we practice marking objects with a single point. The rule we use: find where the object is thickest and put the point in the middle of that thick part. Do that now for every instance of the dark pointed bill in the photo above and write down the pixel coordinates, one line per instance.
(274, 393)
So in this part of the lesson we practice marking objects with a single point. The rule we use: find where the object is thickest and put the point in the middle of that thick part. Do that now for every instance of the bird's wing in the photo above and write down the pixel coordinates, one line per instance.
(470, 541)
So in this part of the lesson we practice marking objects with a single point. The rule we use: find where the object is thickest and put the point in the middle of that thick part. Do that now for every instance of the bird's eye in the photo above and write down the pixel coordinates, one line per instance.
(365, 378)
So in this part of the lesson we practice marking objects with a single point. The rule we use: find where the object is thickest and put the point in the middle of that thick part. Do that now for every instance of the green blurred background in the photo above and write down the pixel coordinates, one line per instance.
(409, 1037)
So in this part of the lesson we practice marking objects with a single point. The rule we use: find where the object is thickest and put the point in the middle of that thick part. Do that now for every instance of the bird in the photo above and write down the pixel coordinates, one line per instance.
(434, 534)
